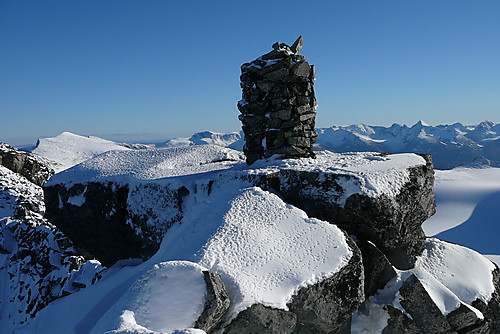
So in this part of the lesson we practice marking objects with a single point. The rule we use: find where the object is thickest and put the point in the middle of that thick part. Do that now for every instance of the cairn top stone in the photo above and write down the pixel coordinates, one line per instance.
(297, 45)
(295, 48)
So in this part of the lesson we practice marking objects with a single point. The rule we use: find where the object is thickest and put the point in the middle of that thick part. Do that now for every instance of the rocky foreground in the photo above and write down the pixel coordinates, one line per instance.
(195, 241)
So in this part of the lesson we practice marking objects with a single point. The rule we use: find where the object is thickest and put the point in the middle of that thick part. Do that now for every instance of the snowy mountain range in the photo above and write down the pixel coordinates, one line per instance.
(450, 145)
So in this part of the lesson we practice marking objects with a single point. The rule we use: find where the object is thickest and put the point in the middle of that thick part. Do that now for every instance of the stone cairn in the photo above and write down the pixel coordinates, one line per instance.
(278, 108)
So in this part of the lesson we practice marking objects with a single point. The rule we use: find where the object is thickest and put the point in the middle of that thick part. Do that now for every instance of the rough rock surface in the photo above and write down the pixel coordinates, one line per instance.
(31, 167)
(37, 262)
(101, 221)
(216, 304)
(426, 315)
(463, 320)
(278, 108)
(378, 270)
(392, 224)
(399, 323)
(259, 319)
(492, 310)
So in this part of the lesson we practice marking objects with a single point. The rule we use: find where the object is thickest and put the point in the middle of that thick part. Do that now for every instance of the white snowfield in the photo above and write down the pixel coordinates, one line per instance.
(470, 196)
(458, 191)
(151, 164)
(232, 140)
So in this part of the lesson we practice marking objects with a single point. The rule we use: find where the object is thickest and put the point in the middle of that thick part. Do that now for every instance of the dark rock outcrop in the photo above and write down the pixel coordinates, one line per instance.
(260, 319)
(491, 310)
(104, 224)
(392, 224)
(426, 315)
(31, 167)
(278, 108)
(400, 323)
(216, 304)
(377, 268)
(38, 264)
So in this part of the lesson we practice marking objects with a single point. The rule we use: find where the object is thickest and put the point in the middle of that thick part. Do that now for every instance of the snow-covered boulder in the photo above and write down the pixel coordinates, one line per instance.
(37, 262)
(34, 168)
(120, 204)
(377, 197)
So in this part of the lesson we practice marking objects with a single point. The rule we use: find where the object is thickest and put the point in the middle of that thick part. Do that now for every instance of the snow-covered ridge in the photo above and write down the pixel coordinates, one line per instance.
(37, 262)
(68, 149)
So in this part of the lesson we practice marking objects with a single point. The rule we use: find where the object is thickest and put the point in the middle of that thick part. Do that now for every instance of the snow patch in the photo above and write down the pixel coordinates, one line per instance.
(446, 263)
(168, 297)
(372, 320)
(77, 200)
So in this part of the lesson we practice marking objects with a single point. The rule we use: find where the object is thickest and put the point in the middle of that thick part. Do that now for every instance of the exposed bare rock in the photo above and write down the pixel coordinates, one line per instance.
(260, 319)
(33, 168)
(216, 304)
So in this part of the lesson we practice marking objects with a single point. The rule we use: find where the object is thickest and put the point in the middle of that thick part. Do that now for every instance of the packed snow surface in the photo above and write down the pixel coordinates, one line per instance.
(167, 297)
(374, 174)
(150, 164)
(263, 248)
(68, 149)
(443, 263)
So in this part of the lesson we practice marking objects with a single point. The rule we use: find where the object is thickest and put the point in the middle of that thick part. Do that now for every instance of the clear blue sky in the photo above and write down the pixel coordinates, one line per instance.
(169, 68)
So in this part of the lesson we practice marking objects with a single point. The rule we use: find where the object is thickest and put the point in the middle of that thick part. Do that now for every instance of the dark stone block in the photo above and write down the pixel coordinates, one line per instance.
(260, 319)
(393, 224)
(400, 323)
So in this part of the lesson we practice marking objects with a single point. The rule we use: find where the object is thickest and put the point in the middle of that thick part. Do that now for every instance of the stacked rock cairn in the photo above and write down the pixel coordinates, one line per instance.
(278, 106)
